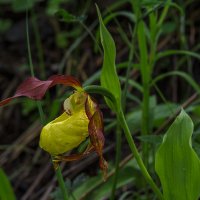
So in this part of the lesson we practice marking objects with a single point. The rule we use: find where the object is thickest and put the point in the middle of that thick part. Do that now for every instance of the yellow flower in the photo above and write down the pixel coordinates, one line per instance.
(69, 129)
(81, 119)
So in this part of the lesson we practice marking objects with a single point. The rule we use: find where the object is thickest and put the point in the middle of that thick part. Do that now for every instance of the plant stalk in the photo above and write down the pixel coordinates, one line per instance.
(61, 183)
(145, 72)
(145, 121)
(136, 154)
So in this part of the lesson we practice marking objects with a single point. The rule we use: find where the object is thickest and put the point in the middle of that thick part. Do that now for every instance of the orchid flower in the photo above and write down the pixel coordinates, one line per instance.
(81, 119)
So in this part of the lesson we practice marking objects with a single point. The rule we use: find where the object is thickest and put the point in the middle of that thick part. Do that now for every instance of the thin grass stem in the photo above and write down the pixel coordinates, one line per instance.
(41, 112)
(61, 183)
(38, 43)
(136, 154)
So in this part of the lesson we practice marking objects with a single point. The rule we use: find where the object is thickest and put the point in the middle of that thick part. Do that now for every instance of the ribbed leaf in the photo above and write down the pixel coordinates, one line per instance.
(6, 192)
(109, 78)
(176, 162)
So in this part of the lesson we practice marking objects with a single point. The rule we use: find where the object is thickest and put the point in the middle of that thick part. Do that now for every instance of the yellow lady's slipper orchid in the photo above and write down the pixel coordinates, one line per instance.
(81, 119)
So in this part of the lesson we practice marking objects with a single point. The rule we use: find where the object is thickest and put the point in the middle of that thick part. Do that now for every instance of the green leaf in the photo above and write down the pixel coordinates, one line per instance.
(6, 192)
(109, 78)
(91, 188)
(177, 164)
(53, 6)
(65, 16)
(177, 52)
(125, 178)
(183, 75)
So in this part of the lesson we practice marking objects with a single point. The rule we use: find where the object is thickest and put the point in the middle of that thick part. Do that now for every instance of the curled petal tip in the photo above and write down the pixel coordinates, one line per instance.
(104, 167)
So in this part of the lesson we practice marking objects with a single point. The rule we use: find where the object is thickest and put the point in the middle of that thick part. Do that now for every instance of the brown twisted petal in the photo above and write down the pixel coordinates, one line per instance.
(95, 129)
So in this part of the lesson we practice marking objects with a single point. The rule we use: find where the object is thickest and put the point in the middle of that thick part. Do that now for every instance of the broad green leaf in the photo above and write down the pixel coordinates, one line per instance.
(91, 189)
(177, 164)
(6, 192)
(109, 78)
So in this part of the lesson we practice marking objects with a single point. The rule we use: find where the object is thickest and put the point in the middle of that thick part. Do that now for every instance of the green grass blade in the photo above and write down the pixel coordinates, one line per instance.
(183, 75)
(109, 78)
(6, 191)
(176, 162)
(177, 52)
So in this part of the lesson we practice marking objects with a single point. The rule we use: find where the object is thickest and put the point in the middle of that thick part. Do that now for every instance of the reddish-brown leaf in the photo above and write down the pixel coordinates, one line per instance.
(35, 89)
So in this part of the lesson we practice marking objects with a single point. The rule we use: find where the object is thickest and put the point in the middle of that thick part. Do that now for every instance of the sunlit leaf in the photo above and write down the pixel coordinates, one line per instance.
(177, 164)
(109, 78)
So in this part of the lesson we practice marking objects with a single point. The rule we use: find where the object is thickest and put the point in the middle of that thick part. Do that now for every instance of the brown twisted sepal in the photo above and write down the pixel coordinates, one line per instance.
(96, 130)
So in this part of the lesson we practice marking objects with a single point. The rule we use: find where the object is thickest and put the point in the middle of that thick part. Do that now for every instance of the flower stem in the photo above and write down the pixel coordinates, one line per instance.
(137, 155)
(61, 183)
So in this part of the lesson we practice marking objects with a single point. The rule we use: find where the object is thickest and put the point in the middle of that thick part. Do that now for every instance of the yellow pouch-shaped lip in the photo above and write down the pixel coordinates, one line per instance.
(68, 130)
(64, 133)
